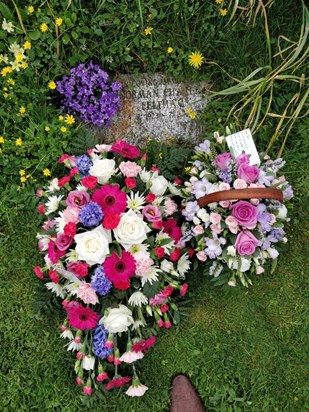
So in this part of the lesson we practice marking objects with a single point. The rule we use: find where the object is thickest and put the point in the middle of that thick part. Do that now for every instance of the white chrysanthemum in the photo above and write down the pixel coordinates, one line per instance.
(15, 65)
(183, 264)
(158, 200)
(138, 299)
(166, 266)
(7, 26)
(53, 186)
(72, 288)
(135, 201)
(161, 236)
(173, 189)
(151, 275)
(145, 175)
(81, 188)
(131, 356)
(60, 223)
(134, 249)
(71, 256)
(56, 288)
(73, 346)
(52, 204)
(67, 334)
(137, 324)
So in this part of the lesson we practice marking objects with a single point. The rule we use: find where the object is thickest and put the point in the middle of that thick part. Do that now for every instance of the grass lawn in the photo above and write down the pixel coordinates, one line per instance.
(245, 350)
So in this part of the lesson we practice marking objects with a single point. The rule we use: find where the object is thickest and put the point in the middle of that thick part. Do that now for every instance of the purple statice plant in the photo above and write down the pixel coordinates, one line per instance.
(89, 94)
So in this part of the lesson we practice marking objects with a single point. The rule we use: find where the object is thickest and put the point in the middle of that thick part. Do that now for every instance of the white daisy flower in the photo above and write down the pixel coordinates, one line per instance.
(138, 299)
(4, 58)
(60, 223)
(67, 334)
(56, 288)
(81, 188)
(135, 201)
(134, 249)
(7, 26)
(183, 264)
(151, 275)
(52, 204)
(71, 256)
(53, 186)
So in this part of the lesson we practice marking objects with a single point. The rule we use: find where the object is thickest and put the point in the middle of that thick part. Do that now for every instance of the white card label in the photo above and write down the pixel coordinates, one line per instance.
(243, 142)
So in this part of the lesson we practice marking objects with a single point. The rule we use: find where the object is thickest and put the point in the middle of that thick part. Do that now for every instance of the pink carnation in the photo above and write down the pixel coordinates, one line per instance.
(170, 207)
(130, 169)
(143, 263)
(87, 294)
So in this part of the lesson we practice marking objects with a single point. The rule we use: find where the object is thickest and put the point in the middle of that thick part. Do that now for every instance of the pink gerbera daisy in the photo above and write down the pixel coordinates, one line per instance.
(125, 149)
(111, 199)
(82, 318)
(119, 269)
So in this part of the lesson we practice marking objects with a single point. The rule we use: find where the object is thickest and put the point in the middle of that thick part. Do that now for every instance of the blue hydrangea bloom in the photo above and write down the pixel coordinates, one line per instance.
(99, 282)
(91, 215)
(83, 163)
(99, 337)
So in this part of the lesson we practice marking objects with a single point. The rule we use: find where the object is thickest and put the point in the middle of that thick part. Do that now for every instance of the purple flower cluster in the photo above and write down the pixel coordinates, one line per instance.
(91, 215)
(89, 95)
(99, 282)
(99, 337)
(83, 163)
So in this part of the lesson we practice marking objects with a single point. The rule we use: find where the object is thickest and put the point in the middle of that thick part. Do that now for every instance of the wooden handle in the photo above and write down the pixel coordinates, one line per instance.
(254, 193)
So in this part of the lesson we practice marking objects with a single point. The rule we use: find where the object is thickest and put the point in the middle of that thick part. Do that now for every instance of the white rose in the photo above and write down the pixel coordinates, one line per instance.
(118, 319)
(92, 246)
(103, 169)
(282, 212)
(166, 266)
(159, 185)
(131, 229)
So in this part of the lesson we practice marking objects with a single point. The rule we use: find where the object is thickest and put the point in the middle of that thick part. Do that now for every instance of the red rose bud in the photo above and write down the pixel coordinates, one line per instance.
(38, 272)
(41, 209)
(89, 182)
(177, 181)
(150, 197)
(159, 251)
(70, 229)
(111, 221)
(63, 181)
(144, 156)
(175, 255)
(74, 171)
(130, 182)
(53, 276)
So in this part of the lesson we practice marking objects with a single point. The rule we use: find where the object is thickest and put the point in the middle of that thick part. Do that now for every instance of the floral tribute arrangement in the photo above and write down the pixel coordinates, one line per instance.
(234, 236)
(89, 95)
(113, 254)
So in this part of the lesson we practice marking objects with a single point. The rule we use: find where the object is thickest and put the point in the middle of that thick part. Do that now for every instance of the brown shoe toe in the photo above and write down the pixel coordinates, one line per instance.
(184, 396)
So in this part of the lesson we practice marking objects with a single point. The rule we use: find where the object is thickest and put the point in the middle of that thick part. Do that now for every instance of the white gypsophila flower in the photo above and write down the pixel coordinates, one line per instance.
(88, 362)
(138, 299)
(135, 201)
(145, 175)
(151, 275)
(67, 334)
(131, 356)
(71, 256)
(56, 288)
(183, 264)
(138, 390)
(173, 189)
(53, 186)
(137, 324)
(74, 346)
(7, 26)
(52, 204)
(231, 251)
(162, 236)
(142, 247)
(81, 188)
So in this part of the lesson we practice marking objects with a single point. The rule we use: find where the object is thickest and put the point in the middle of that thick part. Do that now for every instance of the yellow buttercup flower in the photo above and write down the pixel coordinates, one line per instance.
(52, 85)
(6, 70)
(24, 65)
(1, 139)
(223, 12)
(22, 172)
(191, 113)
(60, 118)
(69, 119)
(23, 179)
(43, 27)
(148, 30)
(22, 110)
(63, 129)
(196, 60)
(19, 57)
(11, 82)
(59, 21)
(219, 1)
(19, 141)
(170, 50)
(46, 172)
(47, 128)
(27, 45)
(30, 9)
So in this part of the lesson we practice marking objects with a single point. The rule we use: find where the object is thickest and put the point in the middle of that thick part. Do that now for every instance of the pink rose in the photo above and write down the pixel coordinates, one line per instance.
(201, 256)
(198, 230)
(248, 173)
(231, 221)
(224, 186)
(152, 213)
(216, 228)
(63, 242)
(224, 203)
(243, 159)
(215, 218)
(246, 243)
(240, 184)
(245, 213)
(130, 169)
(223, 160)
